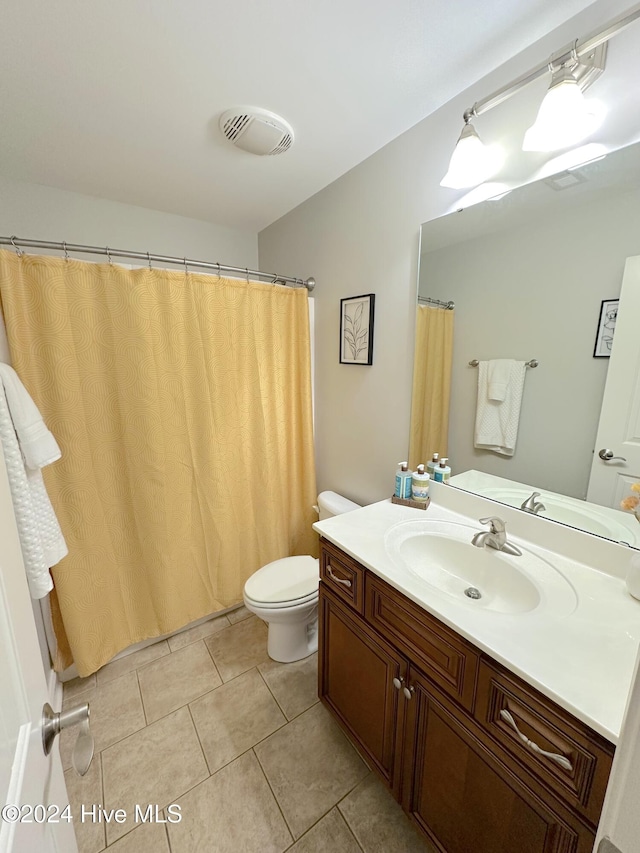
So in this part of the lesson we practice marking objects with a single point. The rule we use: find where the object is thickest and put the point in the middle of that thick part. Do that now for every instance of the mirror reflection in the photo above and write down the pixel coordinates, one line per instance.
(528, 273)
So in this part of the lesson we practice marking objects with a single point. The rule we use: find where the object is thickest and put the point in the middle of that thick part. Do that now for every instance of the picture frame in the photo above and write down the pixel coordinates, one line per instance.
(356, 329)
(606, 328)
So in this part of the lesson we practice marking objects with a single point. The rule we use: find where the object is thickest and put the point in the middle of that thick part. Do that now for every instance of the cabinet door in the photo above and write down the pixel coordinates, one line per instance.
(463, 798)
(356, 672)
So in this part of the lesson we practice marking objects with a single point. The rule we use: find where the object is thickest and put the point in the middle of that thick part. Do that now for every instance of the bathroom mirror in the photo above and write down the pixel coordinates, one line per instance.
(528, 272)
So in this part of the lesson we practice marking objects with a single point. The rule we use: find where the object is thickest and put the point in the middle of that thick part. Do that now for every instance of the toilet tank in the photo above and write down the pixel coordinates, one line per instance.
(330, 504)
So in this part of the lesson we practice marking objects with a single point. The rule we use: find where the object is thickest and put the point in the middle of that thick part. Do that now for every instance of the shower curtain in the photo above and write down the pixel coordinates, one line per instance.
(182, 405)
(431, 384)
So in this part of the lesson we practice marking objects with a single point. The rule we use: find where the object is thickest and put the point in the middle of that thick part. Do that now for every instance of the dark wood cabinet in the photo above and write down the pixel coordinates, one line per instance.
(479, 760)
(356, 672)
(463, 798)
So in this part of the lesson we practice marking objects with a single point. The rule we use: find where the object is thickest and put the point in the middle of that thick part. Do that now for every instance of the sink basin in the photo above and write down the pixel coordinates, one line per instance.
(440, 553)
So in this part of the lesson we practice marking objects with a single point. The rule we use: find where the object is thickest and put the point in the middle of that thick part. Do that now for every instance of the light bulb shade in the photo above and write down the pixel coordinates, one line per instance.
(565, 117)
(471, 162)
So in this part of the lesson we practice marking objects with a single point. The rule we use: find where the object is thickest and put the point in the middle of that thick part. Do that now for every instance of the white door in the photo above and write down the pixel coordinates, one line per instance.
(619, 426)
(29, 780)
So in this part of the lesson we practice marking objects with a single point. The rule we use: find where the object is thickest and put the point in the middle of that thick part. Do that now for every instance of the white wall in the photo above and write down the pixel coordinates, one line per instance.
(535, 291)
(360, 235)
(45, 213)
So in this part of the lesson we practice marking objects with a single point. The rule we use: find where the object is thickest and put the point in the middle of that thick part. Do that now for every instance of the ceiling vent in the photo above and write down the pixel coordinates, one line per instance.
(256, 131)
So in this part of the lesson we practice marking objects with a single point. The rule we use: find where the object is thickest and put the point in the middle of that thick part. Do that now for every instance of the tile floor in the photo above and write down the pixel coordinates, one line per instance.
(207, 721)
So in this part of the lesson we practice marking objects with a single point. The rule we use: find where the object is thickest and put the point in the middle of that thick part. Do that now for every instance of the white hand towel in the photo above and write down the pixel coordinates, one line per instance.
(499, 372)
(37, 444)
(497, 419)
(41, 539)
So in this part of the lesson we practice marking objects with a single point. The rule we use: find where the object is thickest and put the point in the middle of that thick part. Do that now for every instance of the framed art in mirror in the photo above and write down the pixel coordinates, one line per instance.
(606, 328)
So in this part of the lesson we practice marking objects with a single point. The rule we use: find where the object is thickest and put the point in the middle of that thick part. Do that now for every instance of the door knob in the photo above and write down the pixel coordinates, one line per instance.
(607, 455)
(53, 724)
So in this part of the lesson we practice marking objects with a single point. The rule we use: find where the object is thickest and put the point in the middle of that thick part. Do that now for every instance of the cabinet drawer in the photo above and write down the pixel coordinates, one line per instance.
(444, 656)
(577, 769)
(342, 575)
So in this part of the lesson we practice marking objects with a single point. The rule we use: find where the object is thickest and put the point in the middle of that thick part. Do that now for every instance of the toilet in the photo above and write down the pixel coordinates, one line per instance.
(285, 594)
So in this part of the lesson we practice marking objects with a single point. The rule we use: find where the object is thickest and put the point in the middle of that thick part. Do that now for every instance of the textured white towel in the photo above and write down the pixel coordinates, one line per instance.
(41, 539)
(498, 375)
(497, 419)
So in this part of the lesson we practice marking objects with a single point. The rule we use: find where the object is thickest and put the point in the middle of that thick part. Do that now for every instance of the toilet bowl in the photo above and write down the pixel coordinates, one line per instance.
(284, 594)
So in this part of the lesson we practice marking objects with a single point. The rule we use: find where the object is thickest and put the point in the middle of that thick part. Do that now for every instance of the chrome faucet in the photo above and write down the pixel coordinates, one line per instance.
(495, 537)
(532, 505)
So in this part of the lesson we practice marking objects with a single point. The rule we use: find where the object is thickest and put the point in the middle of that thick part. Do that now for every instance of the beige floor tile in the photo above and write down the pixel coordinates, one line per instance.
(239, 648)
(234, 717)
(232, 812)
(294, 685)
(329, 835)
(133, 661)
(378, 822)
(175, 680)
(154, 766)
(74, 688)
(238, 614)
(116, 712)
(148, 838)
(86, 791)
(199, 632)
(310, 766)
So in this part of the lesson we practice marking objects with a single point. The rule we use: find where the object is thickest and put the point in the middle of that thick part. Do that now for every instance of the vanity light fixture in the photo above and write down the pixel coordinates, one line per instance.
(565, 117)
(472, 162)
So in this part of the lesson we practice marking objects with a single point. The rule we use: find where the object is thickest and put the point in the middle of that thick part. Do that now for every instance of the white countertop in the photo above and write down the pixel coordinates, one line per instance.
(583, 661)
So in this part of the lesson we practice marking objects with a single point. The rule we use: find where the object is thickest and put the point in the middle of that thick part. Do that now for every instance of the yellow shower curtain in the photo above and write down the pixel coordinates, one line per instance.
(182, 405)
(431, 384)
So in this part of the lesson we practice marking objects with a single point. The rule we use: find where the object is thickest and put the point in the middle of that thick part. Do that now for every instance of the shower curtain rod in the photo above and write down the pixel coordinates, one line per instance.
(448, 305)
(18, 243)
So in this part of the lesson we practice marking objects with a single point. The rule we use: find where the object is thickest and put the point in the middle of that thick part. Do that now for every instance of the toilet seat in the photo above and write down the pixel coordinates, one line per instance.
(287, 582)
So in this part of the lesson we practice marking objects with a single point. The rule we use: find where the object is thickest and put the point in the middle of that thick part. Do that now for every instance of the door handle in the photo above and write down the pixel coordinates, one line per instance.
(53, 724)
(607, 455)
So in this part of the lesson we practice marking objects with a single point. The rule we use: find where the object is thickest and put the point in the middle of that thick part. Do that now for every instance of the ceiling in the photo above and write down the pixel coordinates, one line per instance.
(120, 99)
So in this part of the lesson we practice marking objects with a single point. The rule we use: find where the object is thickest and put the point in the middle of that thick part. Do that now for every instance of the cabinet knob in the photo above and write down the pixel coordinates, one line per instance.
(408, 691)
(397, 683)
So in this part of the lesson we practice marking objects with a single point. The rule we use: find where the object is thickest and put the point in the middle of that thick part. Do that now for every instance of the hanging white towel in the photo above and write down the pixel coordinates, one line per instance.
(500, 386)
(28, 446)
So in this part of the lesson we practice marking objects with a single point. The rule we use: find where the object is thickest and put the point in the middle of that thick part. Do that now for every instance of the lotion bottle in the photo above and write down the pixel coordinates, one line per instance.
(403, 481)
(420, 485)
(442, 472)
(432, 465)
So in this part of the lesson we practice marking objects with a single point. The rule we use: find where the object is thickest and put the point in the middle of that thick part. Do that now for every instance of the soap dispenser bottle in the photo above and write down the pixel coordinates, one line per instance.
(403, 481)
(443, 471)
(432, 465)
(420, 485)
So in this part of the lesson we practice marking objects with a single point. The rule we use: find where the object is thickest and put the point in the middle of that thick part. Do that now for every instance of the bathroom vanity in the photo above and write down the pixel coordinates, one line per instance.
(456, 705)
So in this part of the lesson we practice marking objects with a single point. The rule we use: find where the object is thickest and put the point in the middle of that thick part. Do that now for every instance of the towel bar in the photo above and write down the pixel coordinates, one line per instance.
(533, 363)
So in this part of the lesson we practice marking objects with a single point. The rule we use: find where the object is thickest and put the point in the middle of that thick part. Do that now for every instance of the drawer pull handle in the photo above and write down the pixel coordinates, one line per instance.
(559, 759)
(335, 578)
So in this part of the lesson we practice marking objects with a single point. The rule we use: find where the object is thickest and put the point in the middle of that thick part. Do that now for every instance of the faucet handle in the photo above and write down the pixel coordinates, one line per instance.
(497, 525)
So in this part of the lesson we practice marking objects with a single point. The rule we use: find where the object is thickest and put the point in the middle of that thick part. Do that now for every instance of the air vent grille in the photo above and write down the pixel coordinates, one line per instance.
(285, 144)
(256, 131)
(233, 127)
